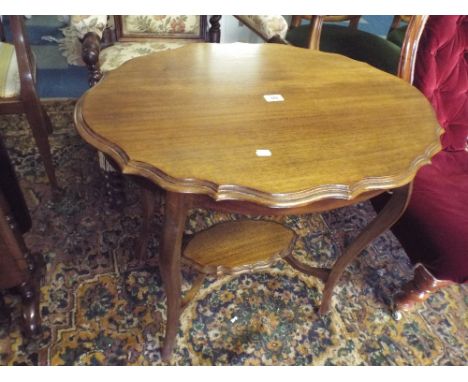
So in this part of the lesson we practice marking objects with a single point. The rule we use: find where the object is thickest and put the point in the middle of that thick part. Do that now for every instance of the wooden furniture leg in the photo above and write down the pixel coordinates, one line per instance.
(2, 32)
(48, 123)
(214, 32)
(30, 294)
(148, 199)
(39, 127)
(18, 269)
(30, 308)
(197, 284)
(416, 291)
(5, 318)
(177, 206)
(384, 220)
(320, 273)
(114, 182)
(354, 22)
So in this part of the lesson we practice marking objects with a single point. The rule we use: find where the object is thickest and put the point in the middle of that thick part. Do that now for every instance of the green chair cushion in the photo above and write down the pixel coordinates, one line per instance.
(356, 44)
(397, 35)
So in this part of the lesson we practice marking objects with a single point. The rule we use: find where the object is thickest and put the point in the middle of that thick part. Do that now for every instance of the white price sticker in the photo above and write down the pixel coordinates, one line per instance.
(273, 97)
(263, 153)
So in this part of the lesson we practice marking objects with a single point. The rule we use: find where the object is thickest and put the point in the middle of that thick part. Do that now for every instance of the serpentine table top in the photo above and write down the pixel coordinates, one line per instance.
(193, 119)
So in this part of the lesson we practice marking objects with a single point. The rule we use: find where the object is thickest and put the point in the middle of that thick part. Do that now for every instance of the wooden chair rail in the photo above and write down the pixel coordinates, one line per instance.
(410, 47)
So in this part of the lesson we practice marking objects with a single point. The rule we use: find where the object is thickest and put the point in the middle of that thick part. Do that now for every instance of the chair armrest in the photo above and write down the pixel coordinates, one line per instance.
(81, 42)
(89, 30)
(272, 28)
(90, 49)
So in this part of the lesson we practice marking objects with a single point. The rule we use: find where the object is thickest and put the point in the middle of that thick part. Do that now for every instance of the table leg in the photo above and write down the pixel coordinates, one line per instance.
(148, 199)
(384, 220)
(177, 206)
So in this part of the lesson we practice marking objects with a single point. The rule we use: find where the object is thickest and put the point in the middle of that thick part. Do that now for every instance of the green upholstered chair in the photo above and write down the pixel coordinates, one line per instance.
(352, 19)
(397, 35)
(397, 31)
(354, 43)
(329, 37)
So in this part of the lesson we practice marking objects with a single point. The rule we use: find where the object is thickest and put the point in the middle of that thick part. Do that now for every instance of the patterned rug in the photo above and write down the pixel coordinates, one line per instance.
(98, 308)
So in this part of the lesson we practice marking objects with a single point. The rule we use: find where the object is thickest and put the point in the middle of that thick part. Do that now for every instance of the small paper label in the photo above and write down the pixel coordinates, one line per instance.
(273, 97)
(263, 153)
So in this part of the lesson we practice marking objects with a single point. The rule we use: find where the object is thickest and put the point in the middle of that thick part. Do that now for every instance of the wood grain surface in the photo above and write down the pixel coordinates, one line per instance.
(192, 119)
(239, 246)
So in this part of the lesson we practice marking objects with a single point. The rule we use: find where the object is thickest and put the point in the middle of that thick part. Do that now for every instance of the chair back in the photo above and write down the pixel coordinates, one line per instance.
(150, 27)
(24, 57)
(353, 19)
(434, 60)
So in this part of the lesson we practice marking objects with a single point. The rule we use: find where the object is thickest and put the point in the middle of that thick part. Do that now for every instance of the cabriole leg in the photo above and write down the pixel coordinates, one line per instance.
(176, 210)
(384, 220)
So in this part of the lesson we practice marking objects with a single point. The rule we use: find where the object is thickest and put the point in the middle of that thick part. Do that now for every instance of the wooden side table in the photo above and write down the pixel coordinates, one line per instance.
(260, 130)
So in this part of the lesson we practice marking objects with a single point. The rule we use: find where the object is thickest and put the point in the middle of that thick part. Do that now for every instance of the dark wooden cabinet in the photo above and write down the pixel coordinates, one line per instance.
(18, 268)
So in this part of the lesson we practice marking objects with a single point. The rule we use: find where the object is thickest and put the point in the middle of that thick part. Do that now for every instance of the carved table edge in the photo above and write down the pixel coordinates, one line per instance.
(225, 192)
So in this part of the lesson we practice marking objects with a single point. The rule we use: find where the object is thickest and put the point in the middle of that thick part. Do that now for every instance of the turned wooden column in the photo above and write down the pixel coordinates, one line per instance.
(215, 29)
(90, 53)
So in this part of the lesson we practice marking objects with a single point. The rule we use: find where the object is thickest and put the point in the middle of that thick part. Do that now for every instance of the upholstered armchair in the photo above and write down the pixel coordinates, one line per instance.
(322, 32)
(106, 42)
(271, 28)
(434, 229)
(109, 41)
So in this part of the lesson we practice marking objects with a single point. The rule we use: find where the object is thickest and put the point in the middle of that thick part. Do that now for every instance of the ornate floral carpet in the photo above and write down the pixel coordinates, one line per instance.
(99, 308)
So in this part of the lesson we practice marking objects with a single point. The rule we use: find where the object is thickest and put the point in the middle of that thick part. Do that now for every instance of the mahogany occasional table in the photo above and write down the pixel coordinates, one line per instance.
(259, 129)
